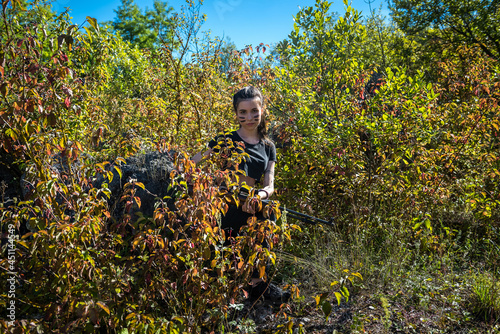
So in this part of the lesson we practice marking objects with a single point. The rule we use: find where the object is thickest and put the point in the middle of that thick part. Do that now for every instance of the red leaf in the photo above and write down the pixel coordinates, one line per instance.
(67, 102)
(31, 106)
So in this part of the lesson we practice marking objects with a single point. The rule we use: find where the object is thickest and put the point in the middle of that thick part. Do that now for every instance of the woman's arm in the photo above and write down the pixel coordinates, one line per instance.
(200, 156)
(268, 185)
(265, 192)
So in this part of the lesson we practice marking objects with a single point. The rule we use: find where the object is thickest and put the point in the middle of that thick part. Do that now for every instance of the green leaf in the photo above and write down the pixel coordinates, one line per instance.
(345, 293)
(427, 223)
(327, 309)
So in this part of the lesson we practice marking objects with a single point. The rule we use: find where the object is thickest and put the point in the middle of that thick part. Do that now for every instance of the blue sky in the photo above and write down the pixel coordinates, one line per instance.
(243, 21)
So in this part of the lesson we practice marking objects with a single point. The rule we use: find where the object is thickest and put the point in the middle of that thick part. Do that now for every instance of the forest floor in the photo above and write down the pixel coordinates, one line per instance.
(433, 305)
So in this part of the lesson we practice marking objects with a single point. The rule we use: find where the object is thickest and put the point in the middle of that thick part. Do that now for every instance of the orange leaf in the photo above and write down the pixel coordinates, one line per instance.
(138, 201)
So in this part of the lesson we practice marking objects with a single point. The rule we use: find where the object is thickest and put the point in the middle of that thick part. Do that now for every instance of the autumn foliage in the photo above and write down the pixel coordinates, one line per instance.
(400, 159)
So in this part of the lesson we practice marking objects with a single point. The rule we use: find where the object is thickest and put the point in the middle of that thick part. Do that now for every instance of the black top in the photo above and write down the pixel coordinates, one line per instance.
(260, 154)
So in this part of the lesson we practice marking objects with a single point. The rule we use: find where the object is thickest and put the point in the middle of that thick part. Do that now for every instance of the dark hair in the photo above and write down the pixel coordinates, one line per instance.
(250, 93)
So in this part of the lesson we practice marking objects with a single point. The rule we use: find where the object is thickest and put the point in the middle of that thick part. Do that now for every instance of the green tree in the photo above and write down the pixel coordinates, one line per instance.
(23, 12)
(451, 22)
(385, 45)
(324, 53)
(144, 29)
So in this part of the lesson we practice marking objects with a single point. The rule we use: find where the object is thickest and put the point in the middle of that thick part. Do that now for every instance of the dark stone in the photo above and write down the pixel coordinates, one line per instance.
(10, 175)
(151, 169)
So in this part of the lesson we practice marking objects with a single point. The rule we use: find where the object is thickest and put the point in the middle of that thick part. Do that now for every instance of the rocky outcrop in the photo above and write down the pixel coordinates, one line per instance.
(152, 169)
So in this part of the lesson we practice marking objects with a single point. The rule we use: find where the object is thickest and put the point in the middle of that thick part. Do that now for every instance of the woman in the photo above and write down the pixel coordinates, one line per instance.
(248, 105)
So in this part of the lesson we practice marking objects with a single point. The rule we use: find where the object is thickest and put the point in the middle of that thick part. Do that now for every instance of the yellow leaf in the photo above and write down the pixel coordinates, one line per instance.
(357, 275)
(22, 243)
(262, 271)
(93, 22)
(252, 258)
(339, 297)
(104, 307)
(119, 171)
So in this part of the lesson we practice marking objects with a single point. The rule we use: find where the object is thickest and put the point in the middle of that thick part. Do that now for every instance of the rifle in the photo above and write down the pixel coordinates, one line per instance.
(297, 215)
(305, 218)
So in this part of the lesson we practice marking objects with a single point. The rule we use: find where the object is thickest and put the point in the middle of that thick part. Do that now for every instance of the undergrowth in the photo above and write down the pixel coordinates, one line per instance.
(406, 167)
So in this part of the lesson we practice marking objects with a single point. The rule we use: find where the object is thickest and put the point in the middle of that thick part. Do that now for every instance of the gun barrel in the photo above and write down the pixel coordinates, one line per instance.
(305, 218)
(302, 216)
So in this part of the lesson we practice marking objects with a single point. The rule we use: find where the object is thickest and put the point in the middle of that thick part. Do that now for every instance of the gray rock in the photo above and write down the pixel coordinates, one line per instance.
(151, 169)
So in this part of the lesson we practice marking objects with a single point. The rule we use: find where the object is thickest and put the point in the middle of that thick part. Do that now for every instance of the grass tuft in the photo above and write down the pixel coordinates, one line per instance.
(486, 297)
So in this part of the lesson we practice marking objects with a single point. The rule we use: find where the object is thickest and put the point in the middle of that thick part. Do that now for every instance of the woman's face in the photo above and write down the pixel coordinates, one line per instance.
(249, 113)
